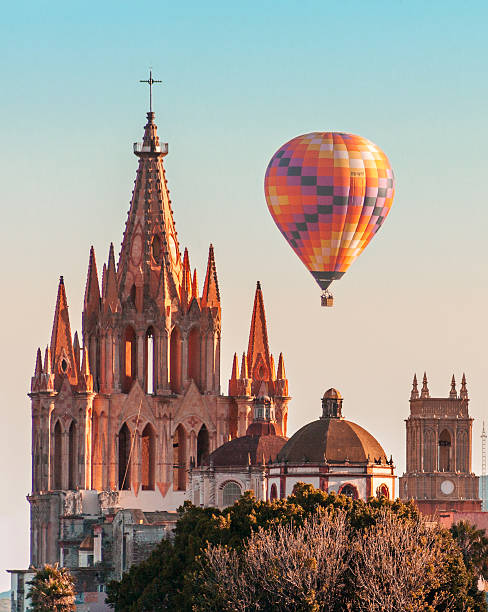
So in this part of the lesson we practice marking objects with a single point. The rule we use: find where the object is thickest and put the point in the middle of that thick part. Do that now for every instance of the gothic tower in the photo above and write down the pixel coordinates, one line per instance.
(127, 409)
(438, 475)
(258, 376)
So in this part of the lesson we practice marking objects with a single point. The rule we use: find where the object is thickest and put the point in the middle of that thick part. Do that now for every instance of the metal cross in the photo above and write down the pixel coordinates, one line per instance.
(150, 82)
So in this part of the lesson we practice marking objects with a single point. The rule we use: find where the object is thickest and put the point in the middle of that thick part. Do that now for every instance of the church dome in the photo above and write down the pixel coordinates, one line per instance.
(334, 439)
(238, 451)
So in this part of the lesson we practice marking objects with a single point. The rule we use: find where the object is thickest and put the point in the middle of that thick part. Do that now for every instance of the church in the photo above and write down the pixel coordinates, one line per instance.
(129, 420)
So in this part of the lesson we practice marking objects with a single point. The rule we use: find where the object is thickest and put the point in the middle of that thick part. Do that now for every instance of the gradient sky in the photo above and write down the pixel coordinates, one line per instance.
(239, 81)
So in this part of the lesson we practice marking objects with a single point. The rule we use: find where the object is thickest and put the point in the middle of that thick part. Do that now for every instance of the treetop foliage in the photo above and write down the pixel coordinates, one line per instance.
(173, 576)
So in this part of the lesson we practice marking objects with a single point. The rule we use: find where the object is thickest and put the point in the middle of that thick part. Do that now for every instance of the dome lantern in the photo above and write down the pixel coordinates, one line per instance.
(332, 404)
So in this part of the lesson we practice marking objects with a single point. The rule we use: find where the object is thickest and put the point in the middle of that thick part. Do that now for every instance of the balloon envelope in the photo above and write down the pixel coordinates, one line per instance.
(329, 194)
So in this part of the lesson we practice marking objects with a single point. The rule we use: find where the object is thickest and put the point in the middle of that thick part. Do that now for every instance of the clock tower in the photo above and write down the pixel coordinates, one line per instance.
(439, 434)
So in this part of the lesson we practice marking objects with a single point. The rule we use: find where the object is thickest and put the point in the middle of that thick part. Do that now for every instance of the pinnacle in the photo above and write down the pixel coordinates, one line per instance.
(281, 375)
(110, 288)
(235, 368)
(211, 294)
(38, 368)
(244, 368)
(92, 288)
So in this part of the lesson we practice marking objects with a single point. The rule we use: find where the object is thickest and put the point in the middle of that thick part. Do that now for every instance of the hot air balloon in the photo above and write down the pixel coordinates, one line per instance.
(329, 193)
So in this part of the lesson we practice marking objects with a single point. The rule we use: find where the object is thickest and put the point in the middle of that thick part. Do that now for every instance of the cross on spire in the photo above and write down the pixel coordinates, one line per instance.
(150, 81)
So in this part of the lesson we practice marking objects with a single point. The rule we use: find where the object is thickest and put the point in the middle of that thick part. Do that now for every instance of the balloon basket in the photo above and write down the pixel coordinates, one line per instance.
(327, 299)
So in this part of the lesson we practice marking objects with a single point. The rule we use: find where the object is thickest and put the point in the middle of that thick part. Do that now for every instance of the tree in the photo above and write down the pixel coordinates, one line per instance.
(52, 590)
(473, 544)
(398, 564)
(288, 568)
(171, 579)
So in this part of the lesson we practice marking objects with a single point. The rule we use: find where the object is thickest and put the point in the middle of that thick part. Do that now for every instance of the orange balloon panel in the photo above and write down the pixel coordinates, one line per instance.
(329, 194)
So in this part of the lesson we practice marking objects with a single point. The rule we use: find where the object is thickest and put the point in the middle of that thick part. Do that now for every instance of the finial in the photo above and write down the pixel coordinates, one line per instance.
(150, 81)
(415, 390)
(463, 394)
(258, 285)
(453, 392)
(425, 389)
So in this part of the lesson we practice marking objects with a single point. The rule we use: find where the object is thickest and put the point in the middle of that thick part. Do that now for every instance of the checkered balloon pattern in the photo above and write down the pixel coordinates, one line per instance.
(329, 194)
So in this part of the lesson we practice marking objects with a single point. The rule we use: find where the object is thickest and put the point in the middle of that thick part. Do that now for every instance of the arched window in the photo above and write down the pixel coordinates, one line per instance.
(203, 445)
(462, 451)
(97, 459)
(179, 458)
(130, 359)
(124, 458)
(149, 361)
(194, 344)
(175, 360)
(383, 491)
(230, 494)
(147, 458)
(58, 457)
(445, 451)
(273, 493)
(350, 491)
(429, 451)
(72, 457)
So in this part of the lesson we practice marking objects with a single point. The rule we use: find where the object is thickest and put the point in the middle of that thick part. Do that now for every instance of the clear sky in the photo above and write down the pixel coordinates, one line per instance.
(240, 79)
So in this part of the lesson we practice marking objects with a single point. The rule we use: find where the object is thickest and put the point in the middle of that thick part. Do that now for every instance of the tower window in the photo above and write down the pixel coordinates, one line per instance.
(156, 249)
(72, 457)
(445, 451)
(175, 360)
(130, 359)
(124, 457)
(149, 361)
(202, 445)
(147, 458)
(58, 457)
(194, 344)
(179, 459)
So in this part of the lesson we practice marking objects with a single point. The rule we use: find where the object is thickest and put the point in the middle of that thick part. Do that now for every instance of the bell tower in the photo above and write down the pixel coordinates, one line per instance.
(439, 436)
(129, 407)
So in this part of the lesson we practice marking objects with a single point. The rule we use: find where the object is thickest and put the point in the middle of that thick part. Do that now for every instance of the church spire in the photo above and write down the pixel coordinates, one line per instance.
(150, 235)
(258, 357)
(211, 295)
(61, 343)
